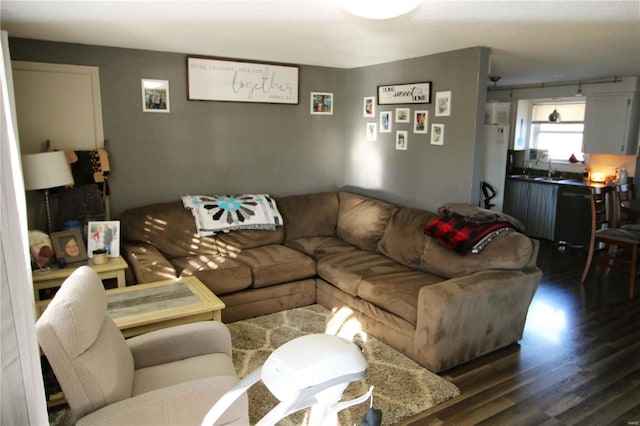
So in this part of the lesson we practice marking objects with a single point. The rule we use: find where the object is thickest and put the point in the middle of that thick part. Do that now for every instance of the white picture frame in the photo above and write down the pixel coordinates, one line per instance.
(369, 106)
(420, 121)
(155, 95)
(443, 104)
(372, 130)
(402, 139)
(321, 103)
(104, 234)
(385, 122)
(403, 115)
(437, 134)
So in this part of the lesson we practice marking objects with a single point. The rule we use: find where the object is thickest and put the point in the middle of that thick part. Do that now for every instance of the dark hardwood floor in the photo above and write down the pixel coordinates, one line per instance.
(578, 362)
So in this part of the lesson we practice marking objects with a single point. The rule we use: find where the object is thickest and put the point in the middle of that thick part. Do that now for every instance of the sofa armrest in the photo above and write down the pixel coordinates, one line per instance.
(462, 318)
(148, 263)
(179, 342)
(185, 403)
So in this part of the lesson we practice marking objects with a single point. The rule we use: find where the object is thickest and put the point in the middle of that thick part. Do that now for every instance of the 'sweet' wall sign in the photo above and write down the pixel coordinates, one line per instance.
(217, 80)
(412, 93)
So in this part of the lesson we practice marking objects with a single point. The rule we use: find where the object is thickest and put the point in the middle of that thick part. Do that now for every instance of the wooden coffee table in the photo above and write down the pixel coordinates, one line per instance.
(142, 308)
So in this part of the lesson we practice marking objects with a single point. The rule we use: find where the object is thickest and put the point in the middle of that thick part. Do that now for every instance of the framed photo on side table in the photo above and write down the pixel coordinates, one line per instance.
(68, 245)
(104, 235)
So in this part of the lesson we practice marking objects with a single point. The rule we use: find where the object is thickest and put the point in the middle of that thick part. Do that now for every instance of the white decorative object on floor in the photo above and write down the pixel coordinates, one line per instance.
(312, 370)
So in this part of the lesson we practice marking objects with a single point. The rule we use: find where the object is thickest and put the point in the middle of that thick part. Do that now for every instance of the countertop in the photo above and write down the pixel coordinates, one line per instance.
(556, 181)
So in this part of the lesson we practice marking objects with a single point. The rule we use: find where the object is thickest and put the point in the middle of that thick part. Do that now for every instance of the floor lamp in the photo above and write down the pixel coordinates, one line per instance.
(46, 170)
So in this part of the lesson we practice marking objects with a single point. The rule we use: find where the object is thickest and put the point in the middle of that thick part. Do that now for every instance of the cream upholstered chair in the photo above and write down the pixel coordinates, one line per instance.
(167, 377)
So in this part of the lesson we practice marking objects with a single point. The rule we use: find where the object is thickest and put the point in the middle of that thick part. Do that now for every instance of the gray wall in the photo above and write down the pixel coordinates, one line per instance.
(204, 147)
(424, 175)
(213, 147)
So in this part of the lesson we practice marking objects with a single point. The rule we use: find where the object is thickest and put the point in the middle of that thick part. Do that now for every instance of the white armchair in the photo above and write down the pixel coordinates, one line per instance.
(167, 377)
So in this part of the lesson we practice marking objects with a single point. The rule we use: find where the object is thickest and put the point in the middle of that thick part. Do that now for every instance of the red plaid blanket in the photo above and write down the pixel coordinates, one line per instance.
(460, 235)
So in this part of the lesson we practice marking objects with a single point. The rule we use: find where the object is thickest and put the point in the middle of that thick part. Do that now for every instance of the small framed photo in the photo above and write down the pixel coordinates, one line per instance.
(402, 115)
(104, 235)
(155, 95)
(402, 137)
(69, 245)
(372, 131)
(437, 134)
(321, 103)
(420, 121)
(443, 104)
(385, 121)
(369, 106)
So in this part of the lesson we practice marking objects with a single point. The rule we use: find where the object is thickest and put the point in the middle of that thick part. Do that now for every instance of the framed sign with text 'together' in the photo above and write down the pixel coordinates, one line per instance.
(232, 81)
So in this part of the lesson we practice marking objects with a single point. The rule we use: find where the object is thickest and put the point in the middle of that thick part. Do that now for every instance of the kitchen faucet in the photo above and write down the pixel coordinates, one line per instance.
(550, 170)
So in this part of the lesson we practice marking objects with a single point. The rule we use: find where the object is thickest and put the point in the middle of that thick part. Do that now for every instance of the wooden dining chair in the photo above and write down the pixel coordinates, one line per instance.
(616, 248)
(625, 192)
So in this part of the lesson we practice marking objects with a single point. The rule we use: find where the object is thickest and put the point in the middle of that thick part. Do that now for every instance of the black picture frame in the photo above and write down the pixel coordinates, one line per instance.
(406, 93)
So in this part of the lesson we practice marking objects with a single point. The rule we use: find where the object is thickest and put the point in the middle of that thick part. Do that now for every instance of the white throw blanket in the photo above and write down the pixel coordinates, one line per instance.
(224, 213)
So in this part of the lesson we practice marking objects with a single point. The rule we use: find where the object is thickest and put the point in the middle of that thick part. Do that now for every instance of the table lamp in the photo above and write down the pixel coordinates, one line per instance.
(46, 170)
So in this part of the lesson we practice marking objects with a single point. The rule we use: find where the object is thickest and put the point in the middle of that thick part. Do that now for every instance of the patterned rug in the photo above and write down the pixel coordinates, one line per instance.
(402, 387)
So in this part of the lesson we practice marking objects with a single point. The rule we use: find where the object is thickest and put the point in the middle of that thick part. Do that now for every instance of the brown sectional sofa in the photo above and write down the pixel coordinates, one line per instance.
(344, 250)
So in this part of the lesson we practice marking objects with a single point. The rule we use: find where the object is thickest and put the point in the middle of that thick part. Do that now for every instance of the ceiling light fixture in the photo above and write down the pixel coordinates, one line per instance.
(379, 9)
(494, 79)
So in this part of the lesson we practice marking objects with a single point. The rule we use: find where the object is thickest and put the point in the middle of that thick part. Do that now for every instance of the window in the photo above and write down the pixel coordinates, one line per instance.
(562, 138)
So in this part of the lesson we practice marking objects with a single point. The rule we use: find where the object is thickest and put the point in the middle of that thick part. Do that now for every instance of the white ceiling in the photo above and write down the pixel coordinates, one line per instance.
(531, 41)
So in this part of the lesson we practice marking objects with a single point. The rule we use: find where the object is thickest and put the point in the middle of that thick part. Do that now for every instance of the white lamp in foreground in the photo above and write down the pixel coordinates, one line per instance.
(379, 9)
(46, 170)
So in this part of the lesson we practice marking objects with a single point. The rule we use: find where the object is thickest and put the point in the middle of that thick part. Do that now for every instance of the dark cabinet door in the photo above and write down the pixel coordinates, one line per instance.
(573, 216)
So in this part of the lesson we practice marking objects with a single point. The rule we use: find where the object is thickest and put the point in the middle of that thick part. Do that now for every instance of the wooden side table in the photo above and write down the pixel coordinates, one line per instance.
(114, 268)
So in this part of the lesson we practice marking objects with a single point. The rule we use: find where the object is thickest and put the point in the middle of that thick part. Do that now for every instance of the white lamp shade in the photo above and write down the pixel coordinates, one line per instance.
(379, 9)
(46, 170)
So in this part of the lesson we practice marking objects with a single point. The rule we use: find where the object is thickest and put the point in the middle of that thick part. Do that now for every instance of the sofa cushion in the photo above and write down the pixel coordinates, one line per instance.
(397, 292)
(168, 227)
(347, 269)
(235, 241)
(277, 264)
(362, 220)
(318, 247)
(509, 250)
(309, 215)
(403, 239)
(220, 274)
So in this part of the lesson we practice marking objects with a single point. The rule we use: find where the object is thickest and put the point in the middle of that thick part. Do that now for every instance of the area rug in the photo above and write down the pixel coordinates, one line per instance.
(402, 387)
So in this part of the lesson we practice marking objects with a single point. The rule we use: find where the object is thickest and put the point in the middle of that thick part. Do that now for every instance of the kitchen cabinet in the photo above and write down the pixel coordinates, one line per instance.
(611, 124)
(533, 204)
